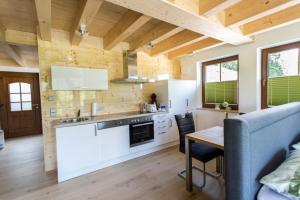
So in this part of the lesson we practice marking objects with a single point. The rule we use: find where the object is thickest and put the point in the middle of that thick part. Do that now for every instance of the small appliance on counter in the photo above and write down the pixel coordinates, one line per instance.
(2, 141)
(143, 107)
(151, 108)
(94, 109)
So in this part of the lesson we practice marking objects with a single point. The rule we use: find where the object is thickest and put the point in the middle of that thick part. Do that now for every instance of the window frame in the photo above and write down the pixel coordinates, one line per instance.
(219, 61)
(264, 68)
(20, 93)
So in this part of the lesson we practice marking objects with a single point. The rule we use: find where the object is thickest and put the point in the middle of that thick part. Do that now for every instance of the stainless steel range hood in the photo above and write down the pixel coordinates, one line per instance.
(130, 74)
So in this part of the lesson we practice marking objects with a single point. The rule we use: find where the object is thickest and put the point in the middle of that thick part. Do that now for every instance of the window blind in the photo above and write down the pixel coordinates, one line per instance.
(283, 90)
(218, 92)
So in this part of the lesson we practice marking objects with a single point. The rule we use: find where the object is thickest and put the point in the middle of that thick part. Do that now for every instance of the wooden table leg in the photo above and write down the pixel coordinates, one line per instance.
(189, 173)
(223, 167)
(218, 165)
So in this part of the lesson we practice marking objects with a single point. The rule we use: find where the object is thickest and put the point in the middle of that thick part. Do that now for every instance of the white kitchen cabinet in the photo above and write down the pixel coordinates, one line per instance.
(113, 142)
(179, 96)
(161, 129)
(77, 150)
(75, 78)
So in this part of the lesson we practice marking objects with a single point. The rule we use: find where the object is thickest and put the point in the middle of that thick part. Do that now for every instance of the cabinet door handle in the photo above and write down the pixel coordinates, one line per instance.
(160, 133)
(161, 127)
(187, 102)
(96, 134)
(170, 104)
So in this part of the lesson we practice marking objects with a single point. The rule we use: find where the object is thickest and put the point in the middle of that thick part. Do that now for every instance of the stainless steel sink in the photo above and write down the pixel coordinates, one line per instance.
(75, 120)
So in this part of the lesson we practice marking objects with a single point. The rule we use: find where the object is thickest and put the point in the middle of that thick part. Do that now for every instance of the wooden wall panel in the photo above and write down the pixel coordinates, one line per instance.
(18, 15)
(119, 97)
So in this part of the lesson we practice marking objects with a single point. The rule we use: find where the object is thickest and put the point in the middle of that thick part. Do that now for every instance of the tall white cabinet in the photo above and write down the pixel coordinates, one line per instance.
(179, 97)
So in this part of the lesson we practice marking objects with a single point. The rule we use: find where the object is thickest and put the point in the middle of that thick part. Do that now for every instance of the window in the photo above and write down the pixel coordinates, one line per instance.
(20, 96)
(280, 75)
(220, 82)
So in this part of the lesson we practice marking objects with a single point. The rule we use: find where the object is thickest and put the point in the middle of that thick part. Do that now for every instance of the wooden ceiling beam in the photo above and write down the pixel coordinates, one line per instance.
(167, 35)
(11, 52)
(281, 18)
(158, 31)
(15, 37)
(251, 10)
(9, 49)
(211, 7)
(87, 13)
(189, 5)
(173, 14)
(43, 10)
(178, 40)
(2, 32)
(130, 22)
(205, 43)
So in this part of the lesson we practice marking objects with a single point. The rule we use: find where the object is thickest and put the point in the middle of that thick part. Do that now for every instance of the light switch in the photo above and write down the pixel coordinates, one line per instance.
(52, 112)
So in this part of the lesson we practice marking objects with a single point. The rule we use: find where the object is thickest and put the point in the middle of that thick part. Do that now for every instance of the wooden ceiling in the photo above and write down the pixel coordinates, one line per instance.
(171, 27)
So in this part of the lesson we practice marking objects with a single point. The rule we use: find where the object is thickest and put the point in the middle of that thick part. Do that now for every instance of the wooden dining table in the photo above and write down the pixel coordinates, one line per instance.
(212, 136)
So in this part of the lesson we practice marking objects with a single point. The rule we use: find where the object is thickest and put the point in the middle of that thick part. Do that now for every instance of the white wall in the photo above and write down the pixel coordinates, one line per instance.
(249, 63)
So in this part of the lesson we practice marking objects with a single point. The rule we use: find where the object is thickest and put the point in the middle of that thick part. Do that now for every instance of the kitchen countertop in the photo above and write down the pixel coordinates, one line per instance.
(101, 118)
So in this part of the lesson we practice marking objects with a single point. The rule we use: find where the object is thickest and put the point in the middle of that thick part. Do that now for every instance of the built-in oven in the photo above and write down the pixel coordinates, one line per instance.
(141, 133)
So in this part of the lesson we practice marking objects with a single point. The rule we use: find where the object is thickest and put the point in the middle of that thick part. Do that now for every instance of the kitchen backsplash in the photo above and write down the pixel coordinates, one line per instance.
(118, 98)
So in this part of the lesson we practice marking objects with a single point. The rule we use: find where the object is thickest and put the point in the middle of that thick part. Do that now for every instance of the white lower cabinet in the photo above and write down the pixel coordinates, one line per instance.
(165, 129)
(82, 149)
(77, 150)
(113, 142)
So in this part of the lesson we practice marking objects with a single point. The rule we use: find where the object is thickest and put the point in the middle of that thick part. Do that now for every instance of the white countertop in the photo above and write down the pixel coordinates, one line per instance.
(100, 118)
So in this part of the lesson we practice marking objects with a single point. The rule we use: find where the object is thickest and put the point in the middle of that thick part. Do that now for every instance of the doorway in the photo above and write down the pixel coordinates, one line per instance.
(20, 113)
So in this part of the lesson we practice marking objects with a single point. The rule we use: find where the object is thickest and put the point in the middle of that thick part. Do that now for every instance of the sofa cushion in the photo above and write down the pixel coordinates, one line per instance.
(286, 178)
(296, 146)
(266, 193)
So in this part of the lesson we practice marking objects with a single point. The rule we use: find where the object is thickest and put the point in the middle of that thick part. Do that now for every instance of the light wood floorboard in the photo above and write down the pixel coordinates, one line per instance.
(152, 177)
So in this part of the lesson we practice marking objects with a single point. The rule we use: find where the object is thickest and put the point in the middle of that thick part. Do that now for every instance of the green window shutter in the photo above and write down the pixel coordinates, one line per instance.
(210, 91)
(231, 92)
(218, 92)
(294, 88)
(270, 92)
(283, 90)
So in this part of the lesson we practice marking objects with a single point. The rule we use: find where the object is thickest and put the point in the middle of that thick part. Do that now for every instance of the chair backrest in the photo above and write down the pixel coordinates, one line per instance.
(185, 124)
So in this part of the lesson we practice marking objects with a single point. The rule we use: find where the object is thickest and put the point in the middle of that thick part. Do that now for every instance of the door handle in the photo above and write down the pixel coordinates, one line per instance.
(187, 102)
(170, 103)
(96, 134)
(36, 105)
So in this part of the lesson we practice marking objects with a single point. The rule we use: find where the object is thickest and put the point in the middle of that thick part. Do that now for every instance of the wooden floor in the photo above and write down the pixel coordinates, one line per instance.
(152, 177)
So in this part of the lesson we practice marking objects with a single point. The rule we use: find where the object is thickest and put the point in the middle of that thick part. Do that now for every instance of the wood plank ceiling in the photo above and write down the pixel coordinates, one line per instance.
(171, 27)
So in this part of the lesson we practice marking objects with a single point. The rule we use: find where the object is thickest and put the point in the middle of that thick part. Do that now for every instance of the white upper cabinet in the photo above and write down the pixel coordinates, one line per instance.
(75, 78)
(178, 95)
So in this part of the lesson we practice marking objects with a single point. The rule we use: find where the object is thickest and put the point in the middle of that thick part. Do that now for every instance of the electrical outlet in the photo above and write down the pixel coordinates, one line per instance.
(51, 98)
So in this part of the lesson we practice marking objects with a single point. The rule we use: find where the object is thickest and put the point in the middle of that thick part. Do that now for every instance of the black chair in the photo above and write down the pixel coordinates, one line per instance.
(201, 152)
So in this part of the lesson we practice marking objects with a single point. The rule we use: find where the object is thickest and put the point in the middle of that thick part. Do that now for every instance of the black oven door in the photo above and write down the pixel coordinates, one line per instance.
(141, 133)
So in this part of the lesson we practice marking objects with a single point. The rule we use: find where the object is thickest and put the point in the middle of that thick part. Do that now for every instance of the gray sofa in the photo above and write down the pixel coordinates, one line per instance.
(255, 144)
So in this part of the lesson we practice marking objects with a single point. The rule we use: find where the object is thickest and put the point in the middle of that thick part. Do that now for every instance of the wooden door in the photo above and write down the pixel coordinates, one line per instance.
(22, 113)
